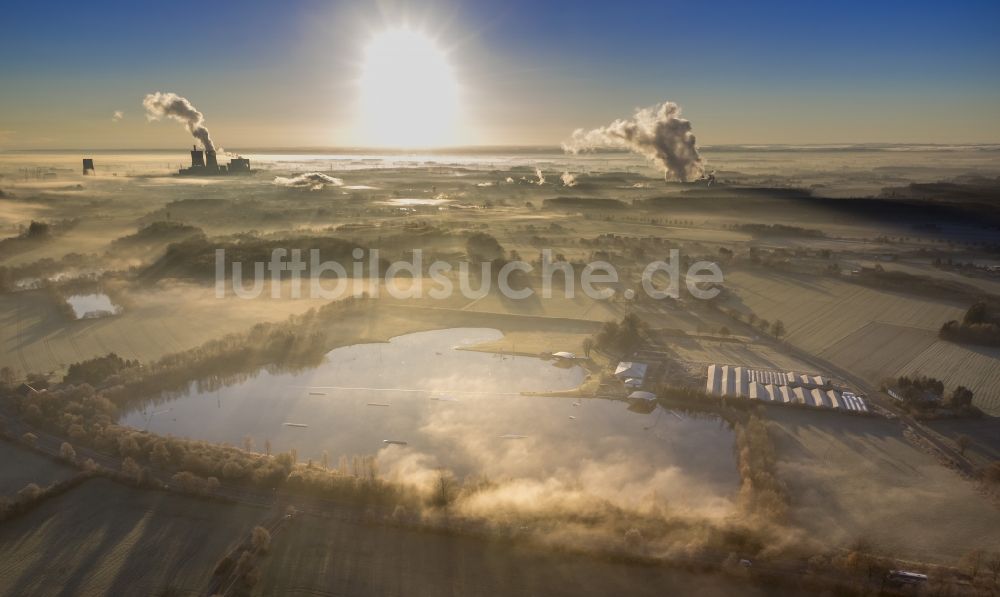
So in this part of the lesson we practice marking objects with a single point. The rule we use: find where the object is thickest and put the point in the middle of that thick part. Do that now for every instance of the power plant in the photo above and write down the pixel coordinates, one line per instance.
(205, 163)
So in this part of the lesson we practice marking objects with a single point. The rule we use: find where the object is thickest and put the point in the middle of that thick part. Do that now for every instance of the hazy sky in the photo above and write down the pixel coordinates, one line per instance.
(285, 74)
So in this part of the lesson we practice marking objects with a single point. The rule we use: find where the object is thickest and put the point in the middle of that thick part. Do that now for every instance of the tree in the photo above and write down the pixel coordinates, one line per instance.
(29, 492)
(7, 378)
(778, 329)
(588, 345)
(483, 247)
(977, 313)
(67, 452)
(993, 564)
(963, 441)
(248, 443)
(445, 489)
(961, 397)
(260, 539)
(131, 469)
(267, 447)
(160, 455)
(973, 560)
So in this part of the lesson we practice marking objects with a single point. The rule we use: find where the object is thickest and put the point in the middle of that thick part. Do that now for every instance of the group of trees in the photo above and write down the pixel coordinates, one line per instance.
(980, 325)
(94, 371)
(621, 338)
(778, 230)
(32, 494)
(928, 393)
(761, 492)
(775, 328)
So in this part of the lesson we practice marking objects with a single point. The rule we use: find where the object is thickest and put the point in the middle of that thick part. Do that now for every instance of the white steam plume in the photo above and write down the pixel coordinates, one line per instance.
(541, 177)
(117, 116)
(171, 105)
(314, 181)
(568, 180)
(657, 132)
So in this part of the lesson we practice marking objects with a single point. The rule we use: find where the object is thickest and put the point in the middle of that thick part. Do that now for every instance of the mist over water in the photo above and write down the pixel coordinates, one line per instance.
(462, 410)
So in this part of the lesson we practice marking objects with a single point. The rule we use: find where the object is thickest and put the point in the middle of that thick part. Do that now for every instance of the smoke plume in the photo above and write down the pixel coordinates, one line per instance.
(117, 116)
(657, 132)
(171, 105)
(568, 180)
(541, 177)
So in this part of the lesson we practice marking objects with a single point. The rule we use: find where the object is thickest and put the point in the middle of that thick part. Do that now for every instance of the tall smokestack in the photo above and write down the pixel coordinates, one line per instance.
(171, 105)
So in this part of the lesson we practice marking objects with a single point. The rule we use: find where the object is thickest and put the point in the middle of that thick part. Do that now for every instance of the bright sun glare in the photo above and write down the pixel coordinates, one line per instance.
(409, 95)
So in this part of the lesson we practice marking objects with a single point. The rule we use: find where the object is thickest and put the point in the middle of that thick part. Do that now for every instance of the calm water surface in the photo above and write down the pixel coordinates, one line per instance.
(461, 410)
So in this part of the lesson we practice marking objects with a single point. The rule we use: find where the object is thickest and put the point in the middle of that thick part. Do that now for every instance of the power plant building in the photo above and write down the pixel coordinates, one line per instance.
(205, 163)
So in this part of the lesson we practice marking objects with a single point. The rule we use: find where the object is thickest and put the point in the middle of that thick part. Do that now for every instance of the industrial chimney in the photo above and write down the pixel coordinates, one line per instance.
(212, 164)
(197, 157)
(88, 166)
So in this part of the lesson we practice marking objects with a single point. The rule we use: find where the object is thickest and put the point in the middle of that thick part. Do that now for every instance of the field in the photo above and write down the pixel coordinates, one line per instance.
(36, 336)
(343, 557)
(858, 478)
(102, 538)
(819, 311)
(975, 367)
(705, 351)
(22, 466)
(873, 334)
(878, 350)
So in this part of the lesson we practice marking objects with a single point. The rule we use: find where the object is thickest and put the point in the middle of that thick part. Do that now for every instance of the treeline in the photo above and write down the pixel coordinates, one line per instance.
(912, 284)
(296, 343)
(88, 413)
(159, 232)
(922, 393)
(33, 234)
(31, 495)
(11, 275)
(195, 257)
(778, 230)
(94, 371)
(582, 203)
(761, 492)
(980, 325)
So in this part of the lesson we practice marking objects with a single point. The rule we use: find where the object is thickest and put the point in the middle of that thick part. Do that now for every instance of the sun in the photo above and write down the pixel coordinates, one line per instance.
(409, 96)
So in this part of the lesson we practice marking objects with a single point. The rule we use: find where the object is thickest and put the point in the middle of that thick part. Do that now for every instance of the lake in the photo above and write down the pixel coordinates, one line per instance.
(462, 410)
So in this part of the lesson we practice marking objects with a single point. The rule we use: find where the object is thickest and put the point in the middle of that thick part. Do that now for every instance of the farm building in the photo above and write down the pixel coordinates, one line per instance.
(631, 373)
(779, 387)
